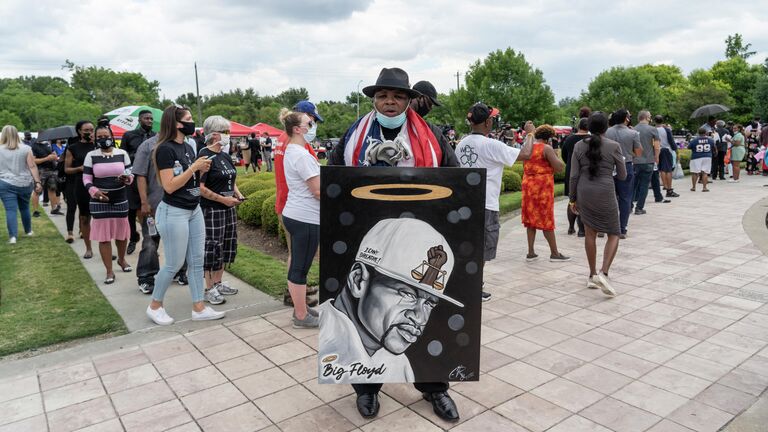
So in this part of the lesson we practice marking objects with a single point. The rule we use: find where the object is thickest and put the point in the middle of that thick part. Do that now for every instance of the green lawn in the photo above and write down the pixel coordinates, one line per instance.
(47, 295)
(265, 272)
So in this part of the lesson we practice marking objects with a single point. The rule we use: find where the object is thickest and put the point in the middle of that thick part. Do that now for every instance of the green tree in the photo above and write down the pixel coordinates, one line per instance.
(734, 47)
(624, 87)
(9, 118)
(742, 79)
(504, 79)
(290, 97)
(109, 89)
(692, 97)
(761, 97)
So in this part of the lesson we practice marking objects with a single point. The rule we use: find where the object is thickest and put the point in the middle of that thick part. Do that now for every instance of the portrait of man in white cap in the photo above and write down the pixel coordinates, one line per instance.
(400, 273)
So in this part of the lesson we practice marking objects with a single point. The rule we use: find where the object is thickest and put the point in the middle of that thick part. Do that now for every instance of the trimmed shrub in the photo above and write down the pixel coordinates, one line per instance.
(250, 210)
(256, 186)
(684, 156)
(518, 168)
(511, 181)
(281, 235)
(269, 221)
(560, 176)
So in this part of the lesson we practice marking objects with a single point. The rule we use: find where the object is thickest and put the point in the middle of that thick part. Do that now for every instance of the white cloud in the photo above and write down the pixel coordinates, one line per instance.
(327, 46)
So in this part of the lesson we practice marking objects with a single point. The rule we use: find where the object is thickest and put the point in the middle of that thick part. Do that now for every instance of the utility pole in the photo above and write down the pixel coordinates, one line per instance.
(199, 105)
(358, 99)
(457, 81)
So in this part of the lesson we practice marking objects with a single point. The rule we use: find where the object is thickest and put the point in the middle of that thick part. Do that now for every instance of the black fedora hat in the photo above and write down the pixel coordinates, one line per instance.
(391, 78)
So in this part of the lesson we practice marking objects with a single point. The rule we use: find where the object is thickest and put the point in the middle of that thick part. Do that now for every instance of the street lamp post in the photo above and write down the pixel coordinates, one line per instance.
(358, 98)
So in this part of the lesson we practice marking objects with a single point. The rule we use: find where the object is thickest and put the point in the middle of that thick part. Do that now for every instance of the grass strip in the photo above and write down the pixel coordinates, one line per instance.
(47, 295)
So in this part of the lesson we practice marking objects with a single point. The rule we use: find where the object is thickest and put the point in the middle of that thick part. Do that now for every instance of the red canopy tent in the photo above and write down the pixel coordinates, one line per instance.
(260, 128)
(237, 129)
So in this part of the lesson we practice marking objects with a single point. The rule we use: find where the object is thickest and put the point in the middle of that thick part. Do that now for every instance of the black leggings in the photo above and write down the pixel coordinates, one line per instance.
(305, 238)
(77, 199)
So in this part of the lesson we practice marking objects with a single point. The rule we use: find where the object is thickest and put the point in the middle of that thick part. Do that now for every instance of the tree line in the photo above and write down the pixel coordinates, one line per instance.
(503, 79)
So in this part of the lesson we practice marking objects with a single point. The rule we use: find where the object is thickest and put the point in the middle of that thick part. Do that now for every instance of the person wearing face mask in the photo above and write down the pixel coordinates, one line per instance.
(308, 108)
(393, 134)
(178, 217)
(266, 151)
(130, 143)
(77, 197)
(423, 106)
(301, 214)
(220, 196)
(106, 173)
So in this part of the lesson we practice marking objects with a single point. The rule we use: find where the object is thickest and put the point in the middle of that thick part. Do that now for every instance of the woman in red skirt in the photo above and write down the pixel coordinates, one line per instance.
(538, 204)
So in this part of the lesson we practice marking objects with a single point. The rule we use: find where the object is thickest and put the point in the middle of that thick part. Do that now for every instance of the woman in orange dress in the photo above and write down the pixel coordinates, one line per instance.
(538, 205)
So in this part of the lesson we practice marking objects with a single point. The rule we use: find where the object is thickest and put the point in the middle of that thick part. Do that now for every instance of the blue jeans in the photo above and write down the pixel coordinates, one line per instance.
(183, 234)
(624, 191)
(643, 173)
(15, 199)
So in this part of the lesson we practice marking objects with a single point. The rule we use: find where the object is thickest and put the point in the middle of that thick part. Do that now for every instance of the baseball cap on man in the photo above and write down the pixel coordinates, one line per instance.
(308, 107)
(427, 89)
(410, 251)
(480, 112)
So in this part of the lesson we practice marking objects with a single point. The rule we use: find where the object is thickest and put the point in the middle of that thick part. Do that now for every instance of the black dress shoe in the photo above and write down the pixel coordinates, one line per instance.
(443, 405)
(368, 404)
(131, 247)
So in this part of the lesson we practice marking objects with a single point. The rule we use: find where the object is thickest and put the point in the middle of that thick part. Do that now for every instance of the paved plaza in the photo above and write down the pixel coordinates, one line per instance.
(683, 347)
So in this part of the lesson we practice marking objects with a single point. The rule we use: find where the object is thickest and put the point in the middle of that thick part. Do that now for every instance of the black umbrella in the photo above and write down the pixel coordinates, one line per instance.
(61, 132)
(709, 110)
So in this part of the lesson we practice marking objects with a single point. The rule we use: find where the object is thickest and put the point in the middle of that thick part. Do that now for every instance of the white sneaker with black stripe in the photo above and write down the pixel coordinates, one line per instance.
(225, 289)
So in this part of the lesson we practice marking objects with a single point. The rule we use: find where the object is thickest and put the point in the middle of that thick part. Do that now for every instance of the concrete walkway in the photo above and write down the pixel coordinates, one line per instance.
(683, 347)
(131, 304)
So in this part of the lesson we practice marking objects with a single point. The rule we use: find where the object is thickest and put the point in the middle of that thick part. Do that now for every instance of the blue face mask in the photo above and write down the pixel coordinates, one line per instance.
(391, 122)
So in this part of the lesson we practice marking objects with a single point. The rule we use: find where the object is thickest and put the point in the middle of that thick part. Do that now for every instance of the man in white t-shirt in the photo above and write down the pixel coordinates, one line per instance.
(478, 151)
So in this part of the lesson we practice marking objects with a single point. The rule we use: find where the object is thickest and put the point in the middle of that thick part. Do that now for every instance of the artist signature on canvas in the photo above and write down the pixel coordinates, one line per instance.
(355, 370)
(460, 374)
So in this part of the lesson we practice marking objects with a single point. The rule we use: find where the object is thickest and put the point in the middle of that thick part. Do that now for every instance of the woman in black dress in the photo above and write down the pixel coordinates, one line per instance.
(76, 195)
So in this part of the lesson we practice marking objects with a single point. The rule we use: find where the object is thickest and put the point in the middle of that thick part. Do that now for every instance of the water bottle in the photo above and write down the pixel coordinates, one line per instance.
(177, 168)
(151, 226)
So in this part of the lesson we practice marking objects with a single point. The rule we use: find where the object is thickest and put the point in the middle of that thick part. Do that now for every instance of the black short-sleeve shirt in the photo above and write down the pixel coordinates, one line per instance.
(187, 196)
(41, 149)
(219, 179)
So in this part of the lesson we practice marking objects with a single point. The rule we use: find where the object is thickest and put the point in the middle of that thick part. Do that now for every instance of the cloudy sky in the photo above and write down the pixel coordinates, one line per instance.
(328, 46)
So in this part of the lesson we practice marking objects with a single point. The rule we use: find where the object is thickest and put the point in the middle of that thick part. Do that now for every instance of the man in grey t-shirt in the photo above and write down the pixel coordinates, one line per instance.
(649, 139)
(150, 193)
(629, 140)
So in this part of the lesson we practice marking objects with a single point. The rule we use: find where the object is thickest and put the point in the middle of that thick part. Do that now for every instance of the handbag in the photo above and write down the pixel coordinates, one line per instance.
(727, 157)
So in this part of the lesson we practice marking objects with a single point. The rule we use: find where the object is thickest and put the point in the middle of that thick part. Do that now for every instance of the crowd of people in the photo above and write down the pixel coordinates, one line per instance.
(184, 193)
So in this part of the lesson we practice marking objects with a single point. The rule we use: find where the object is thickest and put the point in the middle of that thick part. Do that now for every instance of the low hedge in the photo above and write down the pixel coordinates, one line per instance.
(269, 222)
(511, 181)
(250, 210)
(253, 186)
(684, 157)
(244, 178)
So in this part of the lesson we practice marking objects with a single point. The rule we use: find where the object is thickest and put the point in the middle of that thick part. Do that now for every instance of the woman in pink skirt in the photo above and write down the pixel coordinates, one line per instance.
(106, 172)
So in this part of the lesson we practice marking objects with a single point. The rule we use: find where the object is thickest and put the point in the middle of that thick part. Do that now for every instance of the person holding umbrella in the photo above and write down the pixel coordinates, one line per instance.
(77, 197)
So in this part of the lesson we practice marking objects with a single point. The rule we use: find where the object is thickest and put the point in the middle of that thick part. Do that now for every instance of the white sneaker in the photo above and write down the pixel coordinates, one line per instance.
(12, 240)
(592, 282)
(30, 234)
(159, 316)
(605, 285)
(207, 314)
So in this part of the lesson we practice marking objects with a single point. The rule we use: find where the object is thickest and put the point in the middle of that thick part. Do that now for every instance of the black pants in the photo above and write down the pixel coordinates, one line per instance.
(305, 238)
(430, 387)
(132, 224)
(656, 186)
(718, 166)
(751, 162)
(149, 261)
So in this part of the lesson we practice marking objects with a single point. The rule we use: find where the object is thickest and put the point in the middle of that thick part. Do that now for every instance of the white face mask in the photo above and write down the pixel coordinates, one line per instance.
(224, 139)
(311, 133)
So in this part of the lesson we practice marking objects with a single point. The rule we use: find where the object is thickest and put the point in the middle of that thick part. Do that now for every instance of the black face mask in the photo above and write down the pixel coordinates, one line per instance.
(104, 143)
(422, 110)
(87, 136)
(146, 128)
(187, 128)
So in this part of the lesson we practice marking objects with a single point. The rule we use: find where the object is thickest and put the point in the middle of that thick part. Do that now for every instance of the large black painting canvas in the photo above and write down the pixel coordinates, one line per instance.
(401, 270)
